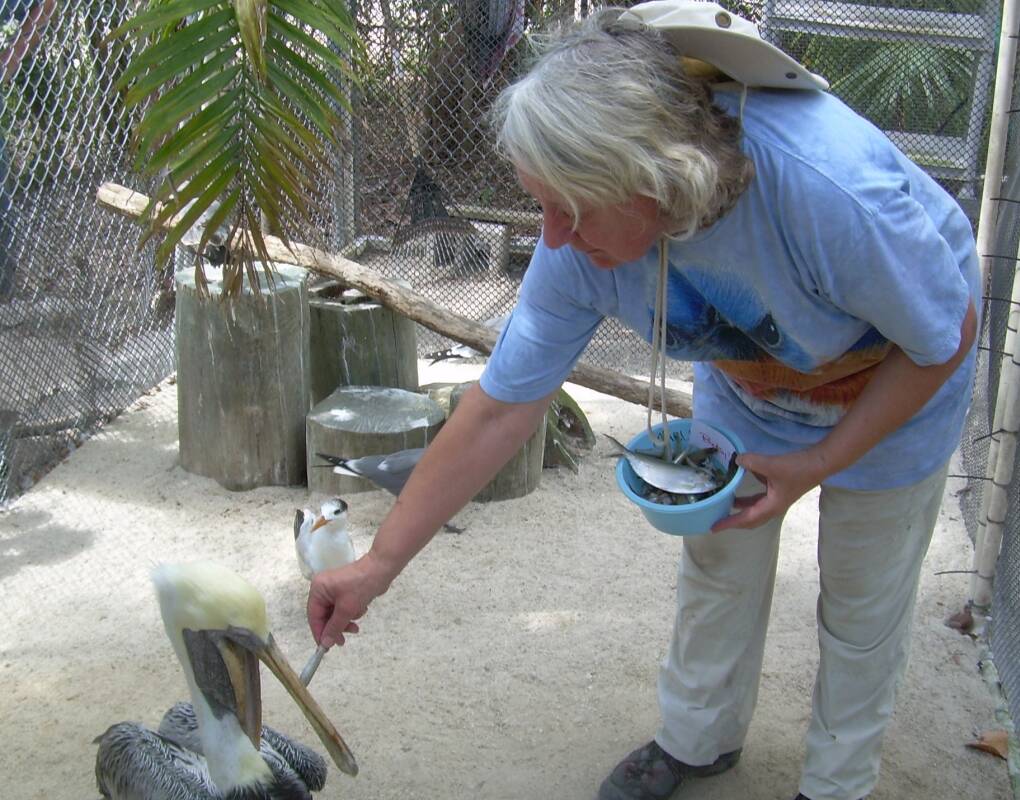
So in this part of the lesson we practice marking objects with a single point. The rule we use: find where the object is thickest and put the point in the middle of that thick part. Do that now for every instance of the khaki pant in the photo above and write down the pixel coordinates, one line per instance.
(870, 549)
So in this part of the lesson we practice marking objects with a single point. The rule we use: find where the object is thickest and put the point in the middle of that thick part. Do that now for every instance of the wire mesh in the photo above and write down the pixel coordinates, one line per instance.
(82, 330)
(1004, 635)
(921, 70)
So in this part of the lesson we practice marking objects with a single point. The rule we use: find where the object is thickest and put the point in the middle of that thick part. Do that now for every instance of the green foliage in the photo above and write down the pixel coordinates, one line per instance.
(240, 100)
(903, 86)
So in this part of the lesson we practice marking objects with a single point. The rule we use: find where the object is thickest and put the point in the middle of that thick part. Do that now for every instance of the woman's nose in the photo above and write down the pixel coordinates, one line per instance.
(557, 228)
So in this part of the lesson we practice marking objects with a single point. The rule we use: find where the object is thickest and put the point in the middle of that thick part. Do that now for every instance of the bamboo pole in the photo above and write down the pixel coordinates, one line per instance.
(988, 537)
(411, 304)
(1001, 458)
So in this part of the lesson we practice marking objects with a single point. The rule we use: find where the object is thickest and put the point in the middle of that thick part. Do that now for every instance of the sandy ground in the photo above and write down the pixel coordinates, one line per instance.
(515, 660)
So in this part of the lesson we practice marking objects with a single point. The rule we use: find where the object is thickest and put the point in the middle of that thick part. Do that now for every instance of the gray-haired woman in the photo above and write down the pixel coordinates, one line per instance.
(827, 289)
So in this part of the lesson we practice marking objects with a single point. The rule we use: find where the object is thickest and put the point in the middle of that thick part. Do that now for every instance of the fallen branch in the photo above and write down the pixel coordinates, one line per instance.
(413, 305)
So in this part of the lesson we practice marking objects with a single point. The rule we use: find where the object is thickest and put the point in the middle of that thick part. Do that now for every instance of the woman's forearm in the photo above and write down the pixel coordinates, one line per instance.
(898, 390)
(479, 438)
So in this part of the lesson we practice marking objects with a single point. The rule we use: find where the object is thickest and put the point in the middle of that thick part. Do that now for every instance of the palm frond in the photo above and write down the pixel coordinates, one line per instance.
(242, 100)
(898, 85)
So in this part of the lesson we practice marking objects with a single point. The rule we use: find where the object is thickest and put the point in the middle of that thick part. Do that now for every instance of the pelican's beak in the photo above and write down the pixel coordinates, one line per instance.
(227, 672)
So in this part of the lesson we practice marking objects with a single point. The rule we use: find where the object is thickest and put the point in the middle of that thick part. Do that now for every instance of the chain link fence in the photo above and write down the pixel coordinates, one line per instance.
(86, 316)
(82, 331)
(1004, 625)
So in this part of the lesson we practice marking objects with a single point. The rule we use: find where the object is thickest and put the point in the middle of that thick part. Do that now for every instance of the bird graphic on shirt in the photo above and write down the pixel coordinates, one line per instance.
(713, 317)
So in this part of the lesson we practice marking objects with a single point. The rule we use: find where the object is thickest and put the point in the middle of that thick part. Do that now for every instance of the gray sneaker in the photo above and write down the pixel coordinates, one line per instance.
(650, 773)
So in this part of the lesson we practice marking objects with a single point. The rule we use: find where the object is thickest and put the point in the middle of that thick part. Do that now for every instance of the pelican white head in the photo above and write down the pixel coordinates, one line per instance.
(219, 629)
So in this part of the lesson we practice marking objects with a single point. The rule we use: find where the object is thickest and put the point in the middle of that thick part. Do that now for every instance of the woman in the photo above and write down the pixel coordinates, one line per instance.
(827, 288)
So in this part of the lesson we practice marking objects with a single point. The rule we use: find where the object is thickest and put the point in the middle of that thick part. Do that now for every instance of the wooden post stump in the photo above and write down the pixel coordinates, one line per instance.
(521, 474)
(242, 380)
(357, 421)
(441, 393)
(356, 341)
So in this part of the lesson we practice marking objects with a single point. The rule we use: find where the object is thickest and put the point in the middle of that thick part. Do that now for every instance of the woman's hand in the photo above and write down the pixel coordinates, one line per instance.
(478, 439)
(896, 391)
(787, 478)
(338, 597)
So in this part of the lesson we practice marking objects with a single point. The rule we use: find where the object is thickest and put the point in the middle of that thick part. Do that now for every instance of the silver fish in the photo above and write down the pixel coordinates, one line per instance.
(675, 478)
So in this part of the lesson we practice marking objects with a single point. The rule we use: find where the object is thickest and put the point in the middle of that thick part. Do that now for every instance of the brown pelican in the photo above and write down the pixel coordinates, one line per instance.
(134, 762)
(217, 624)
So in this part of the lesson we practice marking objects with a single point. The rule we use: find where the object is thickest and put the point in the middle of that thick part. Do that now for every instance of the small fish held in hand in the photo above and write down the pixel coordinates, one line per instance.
(662, 474)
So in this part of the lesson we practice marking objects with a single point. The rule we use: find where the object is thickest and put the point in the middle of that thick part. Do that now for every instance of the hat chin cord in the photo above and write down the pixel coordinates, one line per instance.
(659, 323)
(658, 365)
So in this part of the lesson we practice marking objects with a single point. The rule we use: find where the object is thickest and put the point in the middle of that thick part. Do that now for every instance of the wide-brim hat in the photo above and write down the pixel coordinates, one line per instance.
(707, 32)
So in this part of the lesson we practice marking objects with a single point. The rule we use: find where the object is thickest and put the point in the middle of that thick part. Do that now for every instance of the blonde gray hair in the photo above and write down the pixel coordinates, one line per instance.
(608, 112)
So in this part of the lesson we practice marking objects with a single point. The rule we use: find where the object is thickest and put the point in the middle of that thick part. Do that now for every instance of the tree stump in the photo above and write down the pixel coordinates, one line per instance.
(568, 433)
(242, 380)
(521, 474)
(441, 393)
(355, 341)
(357, 421)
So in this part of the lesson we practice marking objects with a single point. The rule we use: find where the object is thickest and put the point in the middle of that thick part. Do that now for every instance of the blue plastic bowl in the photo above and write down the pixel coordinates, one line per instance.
(692, 519)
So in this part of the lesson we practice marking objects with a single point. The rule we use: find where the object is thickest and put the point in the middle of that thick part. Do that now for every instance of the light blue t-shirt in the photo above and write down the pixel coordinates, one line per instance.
(840, 247)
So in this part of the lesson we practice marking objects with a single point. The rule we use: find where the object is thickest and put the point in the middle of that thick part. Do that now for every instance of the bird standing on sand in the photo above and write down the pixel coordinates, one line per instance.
(321, 540)
(389, 471)
(465, 351)
(214, 748)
